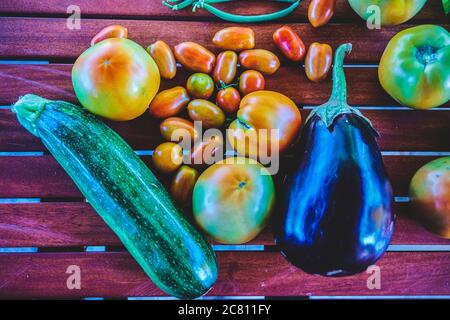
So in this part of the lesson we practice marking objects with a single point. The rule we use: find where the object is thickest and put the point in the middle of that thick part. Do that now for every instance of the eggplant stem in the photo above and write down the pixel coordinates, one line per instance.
(337, 104)
(339, 91)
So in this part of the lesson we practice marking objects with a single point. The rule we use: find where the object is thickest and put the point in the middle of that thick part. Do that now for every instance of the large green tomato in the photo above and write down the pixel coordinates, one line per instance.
(116, 79)
(392, 12)
(415, 67)
(233, 199)
(430, 196)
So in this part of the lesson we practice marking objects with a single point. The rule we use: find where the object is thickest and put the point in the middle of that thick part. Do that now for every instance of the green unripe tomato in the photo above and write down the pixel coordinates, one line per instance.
(200, 86)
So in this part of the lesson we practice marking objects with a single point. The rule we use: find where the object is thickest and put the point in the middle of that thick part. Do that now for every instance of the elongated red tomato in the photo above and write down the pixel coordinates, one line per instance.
(318, 61)
(225, 70)
(321, 11)
(164, 58)
(169, 102)
(195, 57)
(114, 31)
(289, 43)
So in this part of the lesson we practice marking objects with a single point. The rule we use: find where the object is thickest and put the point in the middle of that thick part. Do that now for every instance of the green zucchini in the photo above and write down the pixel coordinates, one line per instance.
(125, 193)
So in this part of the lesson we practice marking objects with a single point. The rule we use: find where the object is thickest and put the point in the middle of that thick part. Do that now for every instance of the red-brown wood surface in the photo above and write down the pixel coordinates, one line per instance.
(75, 224)
(20, 39)
(38, 31)
(152, 9)
(43, 177)
(400, 130)
(241, 273)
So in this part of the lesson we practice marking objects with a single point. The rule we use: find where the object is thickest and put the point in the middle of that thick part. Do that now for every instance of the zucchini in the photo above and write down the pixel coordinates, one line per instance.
(125, 193)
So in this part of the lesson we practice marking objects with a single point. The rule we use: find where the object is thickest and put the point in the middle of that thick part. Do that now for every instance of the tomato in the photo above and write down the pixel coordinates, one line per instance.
(177, 129)
(169, 102)
(200, 86)
(228, 99)
(320, 12)
(235, 39)
(415, 67)
(430, 196)
(116, 79)
(289, 43)
(225, 70)
(164, 58)
(233, 200)
(251, 81)
(207, 112)
(167, 157)
(183, 184)
(392, 12)
(318, 61)
(195, 57)
(115, 31)
(259, 59)
(207, 151)
(264, 110)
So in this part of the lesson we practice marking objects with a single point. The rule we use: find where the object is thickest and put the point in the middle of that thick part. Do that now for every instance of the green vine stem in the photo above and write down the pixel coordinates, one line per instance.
(337, 104)
(207, 5)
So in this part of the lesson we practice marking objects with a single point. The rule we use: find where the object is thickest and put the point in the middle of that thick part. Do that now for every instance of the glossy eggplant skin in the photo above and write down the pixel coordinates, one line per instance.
(337, 216)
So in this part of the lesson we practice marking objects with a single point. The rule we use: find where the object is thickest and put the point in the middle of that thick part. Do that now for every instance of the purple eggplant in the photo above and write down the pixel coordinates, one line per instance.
(337, 216)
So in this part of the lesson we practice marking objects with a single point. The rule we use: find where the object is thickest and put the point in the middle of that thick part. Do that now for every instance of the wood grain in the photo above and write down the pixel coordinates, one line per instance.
(43, 177)
(19, 38)
(152, 9)
(76, 224)
(400, 130)
(54, 82)
(116, 275)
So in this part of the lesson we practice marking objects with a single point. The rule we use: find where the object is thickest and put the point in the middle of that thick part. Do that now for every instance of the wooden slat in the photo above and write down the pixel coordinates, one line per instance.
(19, 38)
(154, 10)
(241, 273)
(54, 82)
(43, 177)
(75, 224)
(400, 130)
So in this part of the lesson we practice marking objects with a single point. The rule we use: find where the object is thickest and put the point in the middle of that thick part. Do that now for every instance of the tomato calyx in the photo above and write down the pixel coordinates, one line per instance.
(426, 54)
(222, 85)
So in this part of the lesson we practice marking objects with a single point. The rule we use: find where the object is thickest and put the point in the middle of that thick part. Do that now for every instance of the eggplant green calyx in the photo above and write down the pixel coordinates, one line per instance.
(337, 104)
(28, 109)
(206, 4)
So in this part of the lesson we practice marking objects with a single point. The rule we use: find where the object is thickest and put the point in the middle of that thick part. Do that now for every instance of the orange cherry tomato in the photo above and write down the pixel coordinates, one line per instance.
(261, 60)
(207, 151)
(318, 61)
(289, 43)
(200, 86)
(164, 58)
(264, 110)
(167, 157)
(251, 81)
(114, 31)
(177, 129)
(169, 102)
(195, 57)
(183, 184)
(320, 12)
(228, 99)
(235, 39)
(225, 69)
(207, 112)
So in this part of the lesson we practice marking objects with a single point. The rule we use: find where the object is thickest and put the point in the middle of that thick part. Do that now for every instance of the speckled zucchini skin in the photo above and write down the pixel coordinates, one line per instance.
(125, 193)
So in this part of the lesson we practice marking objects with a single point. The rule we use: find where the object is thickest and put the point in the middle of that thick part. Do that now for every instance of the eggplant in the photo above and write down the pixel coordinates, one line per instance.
(337, 216)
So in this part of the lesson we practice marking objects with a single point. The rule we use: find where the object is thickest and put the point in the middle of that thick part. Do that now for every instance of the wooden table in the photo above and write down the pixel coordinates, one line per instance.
(45, 226)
